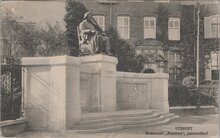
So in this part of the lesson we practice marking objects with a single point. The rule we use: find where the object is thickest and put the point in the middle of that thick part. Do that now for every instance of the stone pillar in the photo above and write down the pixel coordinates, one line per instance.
(51, 88)
(159, 93)
(102, 80)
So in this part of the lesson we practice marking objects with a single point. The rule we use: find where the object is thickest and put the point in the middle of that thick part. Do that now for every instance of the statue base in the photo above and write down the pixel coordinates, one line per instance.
(98, 83)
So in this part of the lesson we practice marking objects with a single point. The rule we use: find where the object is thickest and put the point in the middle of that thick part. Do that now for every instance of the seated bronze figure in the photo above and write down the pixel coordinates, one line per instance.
(92, 39)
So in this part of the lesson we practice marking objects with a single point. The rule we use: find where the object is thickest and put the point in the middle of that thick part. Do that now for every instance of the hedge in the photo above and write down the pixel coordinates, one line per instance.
(180, 95)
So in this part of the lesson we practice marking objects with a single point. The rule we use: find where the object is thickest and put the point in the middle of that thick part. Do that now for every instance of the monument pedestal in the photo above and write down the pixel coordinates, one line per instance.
(51, 92)
(98, 83)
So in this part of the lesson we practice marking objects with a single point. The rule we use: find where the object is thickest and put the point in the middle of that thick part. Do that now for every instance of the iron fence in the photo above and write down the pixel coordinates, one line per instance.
(11, 91)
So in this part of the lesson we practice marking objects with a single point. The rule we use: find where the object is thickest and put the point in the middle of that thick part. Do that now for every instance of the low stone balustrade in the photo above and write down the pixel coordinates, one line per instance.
(142, 91)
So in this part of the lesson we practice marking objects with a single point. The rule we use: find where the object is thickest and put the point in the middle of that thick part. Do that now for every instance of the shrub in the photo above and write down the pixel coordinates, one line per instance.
(189, 82)
(125, 53)
(180, 95)
(74, 15)
(23, 39)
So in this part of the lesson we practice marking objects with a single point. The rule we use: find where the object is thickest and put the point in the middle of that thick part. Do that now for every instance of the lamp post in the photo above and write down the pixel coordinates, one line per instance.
(197, 61)
(197, 48)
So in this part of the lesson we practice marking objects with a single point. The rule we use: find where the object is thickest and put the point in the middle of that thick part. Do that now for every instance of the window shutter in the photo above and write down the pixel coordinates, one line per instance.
(207, 27)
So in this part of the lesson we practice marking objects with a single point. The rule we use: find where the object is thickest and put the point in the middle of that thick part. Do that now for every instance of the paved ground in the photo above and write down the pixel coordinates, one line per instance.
(206, 125)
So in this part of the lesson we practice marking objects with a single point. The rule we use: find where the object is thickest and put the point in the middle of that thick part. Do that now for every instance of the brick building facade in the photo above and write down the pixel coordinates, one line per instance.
(135, 12)
(141, 20)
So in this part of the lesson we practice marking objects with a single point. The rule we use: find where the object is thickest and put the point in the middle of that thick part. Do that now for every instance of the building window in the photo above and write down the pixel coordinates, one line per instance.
(171, 59)
(174, 29)
(215, 27)
(178, 74)
(124, 26)
(101, 21)
(175, 63)
(178, 59)
(212, 26)
(215, 65)
(171, 74)
(175, 59)
(150, 27)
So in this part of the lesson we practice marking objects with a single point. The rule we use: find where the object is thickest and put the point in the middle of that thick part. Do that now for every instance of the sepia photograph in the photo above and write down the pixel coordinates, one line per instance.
(109, 68)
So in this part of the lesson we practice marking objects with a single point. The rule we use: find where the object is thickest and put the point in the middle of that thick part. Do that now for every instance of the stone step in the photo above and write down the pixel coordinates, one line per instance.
(133, 118)
(174, 117)
(99, 130)
(163, 122)
(119, 127)
(171, 116)
(117, 114)
(95, 126)
(116, 123)
(168, 115)
(105, 122)
(160, 113)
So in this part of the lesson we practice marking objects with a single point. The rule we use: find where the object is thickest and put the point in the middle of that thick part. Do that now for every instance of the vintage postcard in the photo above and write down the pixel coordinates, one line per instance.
(110, 68)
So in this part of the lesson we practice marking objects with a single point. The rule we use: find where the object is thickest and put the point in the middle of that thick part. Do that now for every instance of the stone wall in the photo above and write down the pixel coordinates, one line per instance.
(142, 91)
(132, 91)
(13, 127)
